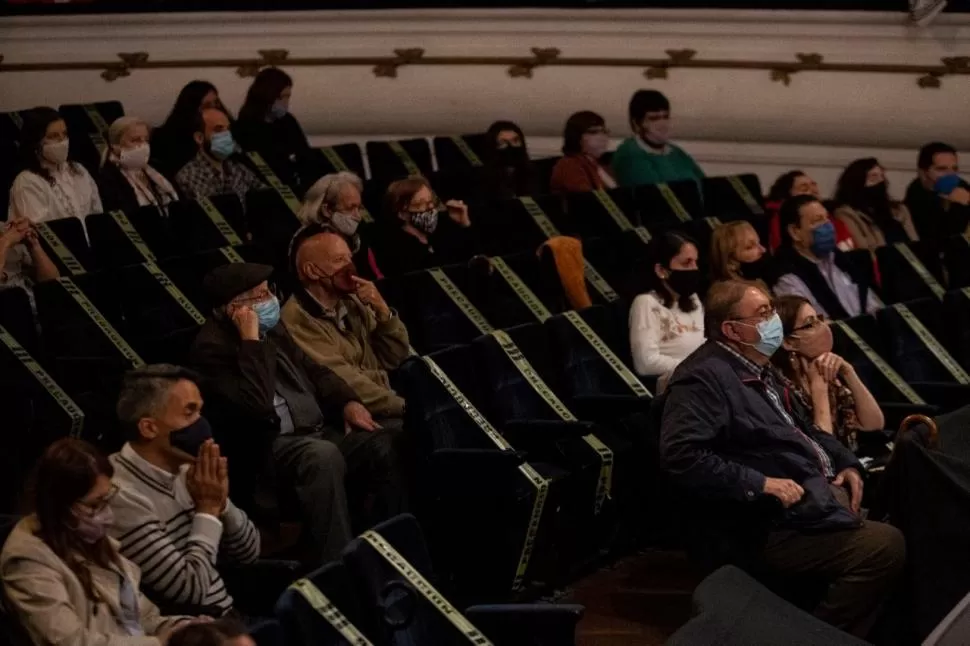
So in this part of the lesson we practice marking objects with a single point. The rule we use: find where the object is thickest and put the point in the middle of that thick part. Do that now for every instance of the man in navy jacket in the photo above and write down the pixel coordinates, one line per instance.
(727, 439)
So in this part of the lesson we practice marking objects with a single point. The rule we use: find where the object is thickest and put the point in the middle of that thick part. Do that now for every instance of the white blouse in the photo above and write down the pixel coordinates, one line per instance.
(74, 194)
(662, 337)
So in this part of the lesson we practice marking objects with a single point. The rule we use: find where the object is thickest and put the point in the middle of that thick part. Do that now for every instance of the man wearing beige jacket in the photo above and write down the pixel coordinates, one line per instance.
(342, 322)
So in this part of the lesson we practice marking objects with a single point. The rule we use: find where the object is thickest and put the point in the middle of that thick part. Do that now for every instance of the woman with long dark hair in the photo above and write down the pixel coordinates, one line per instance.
(864, 206)
(667, 318)
(173, 142)
(267, 126)
(585, 140)
(50, 185)
(62, 575)
(508, 170)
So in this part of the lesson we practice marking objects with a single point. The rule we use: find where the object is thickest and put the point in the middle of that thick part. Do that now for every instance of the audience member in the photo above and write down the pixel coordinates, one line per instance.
(62, 576)
(175, 145)
(127, 182)
(824, 385)
(412, 236)
(50, 186)
(172, 514)
(585, 140)
(213, 171)
(727, 438)
(938, 199)
(648, 157)
(864, 206)
(667, 319)
(811, 266)
(737, 253)
(222, 632)
(282, 404)
(267, 126)
(23, 261)
(342, 322)
(334, 202)
(790, 184)
(508, 171)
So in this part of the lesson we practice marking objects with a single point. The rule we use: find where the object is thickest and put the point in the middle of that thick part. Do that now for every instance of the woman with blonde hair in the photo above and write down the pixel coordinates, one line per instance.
(737, 253)
(126, 181)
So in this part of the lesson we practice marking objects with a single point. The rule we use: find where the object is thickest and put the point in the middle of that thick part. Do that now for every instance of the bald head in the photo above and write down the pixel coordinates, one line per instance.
(322, 256)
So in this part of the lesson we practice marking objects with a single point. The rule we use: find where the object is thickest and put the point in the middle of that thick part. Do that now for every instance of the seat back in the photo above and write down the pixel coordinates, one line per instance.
(668, 206)
(331, 159)
(734, 197)
(209, 223)
(909, 272)
(460, 152)
(272, 224)
(17, 318)
(913, 350)
(487, 285)
(66, 243)
(391, 160)
(116, 240)
(593, 214)
(323, 608)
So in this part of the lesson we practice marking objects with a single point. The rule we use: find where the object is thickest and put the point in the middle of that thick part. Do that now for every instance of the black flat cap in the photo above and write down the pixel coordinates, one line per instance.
(225, 283)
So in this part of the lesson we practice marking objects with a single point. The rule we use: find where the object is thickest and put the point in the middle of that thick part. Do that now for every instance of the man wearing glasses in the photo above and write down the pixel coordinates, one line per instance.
(770, 491)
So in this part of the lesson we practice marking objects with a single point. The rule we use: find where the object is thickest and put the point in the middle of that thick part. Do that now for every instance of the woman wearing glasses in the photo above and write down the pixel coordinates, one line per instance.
(62, 575)
(585, 140)
(823, 383)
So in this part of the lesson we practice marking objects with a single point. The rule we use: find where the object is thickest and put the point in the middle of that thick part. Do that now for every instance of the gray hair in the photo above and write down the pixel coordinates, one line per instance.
(117, 130)
(325, 192)
(144, 393)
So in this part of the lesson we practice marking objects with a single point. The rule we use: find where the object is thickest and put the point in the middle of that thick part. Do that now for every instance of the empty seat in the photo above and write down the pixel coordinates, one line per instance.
(956, 250)
(734, 197)
(322, 609)
(390, 160)
(910, 271)
(668, 206)
(494, 289)
(460, 152)
(189, 272)
(618, 257)
(272, 224)
(17, 318)
(513, 225)
(66, 244)
(119, 239)
(595, 214)
(542, 171)
(331, 159)
(956, 309)
(209, 223)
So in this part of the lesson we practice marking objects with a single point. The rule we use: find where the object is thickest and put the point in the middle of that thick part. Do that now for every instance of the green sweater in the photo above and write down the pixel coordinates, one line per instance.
(633, 165)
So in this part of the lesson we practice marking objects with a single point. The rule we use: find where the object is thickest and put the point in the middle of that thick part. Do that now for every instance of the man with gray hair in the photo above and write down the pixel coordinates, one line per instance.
(334, 203)
(172, 513)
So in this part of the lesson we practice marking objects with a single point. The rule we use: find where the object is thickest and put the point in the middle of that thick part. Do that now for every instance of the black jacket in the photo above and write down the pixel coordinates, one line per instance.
(935, 219)
(117, 193)
(720, 438)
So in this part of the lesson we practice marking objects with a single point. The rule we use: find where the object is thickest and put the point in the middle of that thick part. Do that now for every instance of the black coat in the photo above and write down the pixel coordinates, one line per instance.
(117, 193)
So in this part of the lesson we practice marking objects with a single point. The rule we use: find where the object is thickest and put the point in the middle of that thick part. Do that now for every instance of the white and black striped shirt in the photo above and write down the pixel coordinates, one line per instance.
(176, 548)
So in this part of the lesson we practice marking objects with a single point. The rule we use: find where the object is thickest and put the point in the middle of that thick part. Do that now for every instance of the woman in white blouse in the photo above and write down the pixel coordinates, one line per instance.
(667, 321)
(50, 186)
(126, 181)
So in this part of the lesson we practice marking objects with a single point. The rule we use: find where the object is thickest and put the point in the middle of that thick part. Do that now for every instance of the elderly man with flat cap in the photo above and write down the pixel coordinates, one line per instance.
(274, 401)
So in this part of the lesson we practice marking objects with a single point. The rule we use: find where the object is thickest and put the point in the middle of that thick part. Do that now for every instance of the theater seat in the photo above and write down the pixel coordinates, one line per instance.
(200, 226)
(595, 214)
(460, 152)
(17, 318)
(117, 241)
(188, 272)
(493, 288)
(909, 271)
(391, 160)
(272, 224)
(331, 159)
(618, 258)
(956, 250)
(734, 197)
(668, 206)
(323, 609)
(66, 239)
(88, 126)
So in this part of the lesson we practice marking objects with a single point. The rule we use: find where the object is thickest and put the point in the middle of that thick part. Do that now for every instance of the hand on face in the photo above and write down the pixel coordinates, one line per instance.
(829, 365)
(246, 322)
(367, 292)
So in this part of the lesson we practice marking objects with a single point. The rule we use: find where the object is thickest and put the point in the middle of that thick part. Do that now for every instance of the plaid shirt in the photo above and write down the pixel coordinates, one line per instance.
(767, 376)
(200, 178)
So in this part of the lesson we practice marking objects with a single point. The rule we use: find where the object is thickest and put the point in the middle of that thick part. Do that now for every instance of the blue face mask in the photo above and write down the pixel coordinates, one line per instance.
(772, 334)
(191, 438)
(823, 239)
(222, 145)
(278, 110)
(268, 313)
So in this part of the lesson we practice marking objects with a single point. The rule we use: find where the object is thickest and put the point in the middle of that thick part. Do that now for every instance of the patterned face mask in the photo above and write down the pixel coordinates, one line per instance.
(426, 221)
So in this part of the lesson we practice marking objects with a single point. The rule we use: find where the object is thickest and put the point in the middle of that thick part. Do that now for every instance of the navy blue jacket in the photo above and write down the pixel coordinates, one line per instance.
(720, 437)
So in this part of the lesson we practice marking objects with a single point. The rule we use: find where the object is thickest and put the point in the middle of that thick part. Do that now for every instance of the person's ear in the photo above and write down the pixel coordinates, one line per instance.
(147, 429)
(199, 138)
(728, 331)
(662, 273)
(788, 345)
(795, 232)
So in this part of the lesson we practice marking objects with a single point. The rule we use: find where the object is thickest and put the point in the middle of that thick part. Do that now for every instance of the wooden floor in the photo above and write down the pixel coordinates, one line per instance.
(641, 600)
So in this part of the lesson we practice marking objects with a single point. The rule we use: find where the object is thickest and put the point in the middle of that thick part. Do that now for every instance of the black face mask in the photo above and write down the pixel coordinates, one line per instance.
(512, 156)
(753, 270)
(877, 194)
(684, 281)
(191, 438)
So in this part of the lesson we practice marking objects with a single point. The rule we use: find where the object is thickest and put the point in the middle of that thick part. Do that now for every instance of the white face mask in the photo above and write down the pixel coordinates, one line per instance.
(134, 158)
(56, 151)
(595, 144)
(345, 223)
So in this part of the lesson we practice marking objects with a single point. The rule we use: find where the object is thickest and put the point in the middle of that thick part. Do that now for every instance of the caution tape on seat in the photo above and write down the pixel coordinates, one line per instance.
(100, 127)
(460, 300)
(466, 150)
(904, 389)
(549, 229)
(340, 166)
(231, 254)
(73, 411)
(526, 295)
(948, 362)
(613, 210)
(527, 470)
(330, 613)
(98, 318)
(745, 195)
(219, 220)
(174, 292)
(643, 234)
(608, 355)
(68, 259)
(423, 587)
(284, 191)
(920, 269)
(673, 202)
(406, 160)
(605, 480)
(133, 236)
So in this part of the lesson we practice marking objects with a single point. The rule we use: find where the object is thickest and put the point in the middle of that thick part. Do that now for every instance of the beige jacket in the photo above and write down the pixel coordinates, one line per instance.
(360, 354)
(50, 603)
(866, 233)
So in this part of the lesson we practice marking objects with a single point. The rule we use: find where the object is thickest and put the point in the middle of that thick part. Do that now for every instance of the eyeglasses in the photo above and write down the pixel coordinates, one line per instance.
(98, 505)
(811, 323)
(763, 314)
(598, 130)
(257, 298)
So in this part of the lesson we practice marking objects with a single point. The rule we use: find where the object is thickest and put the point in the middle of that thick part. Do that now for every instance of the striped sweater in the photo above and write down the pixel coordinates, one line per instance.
(175, 547)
